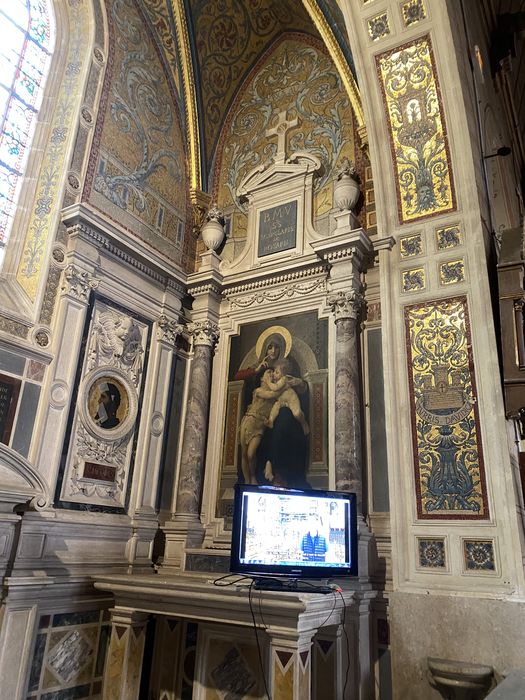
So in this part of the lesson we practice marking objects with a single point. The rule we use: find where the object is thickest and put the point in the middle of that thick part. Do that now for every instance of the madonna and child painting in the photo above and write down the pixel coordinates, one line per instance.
(275, 370)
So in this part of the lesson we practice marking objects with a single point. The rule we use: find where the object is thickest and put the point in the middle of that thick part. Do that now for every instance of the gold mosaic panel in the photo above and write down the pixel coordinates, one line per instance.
(378, 27)
(418, 136)
(413, 280)
(448, 458)
(413, 12)
(448, 237)
(452, 272)
(410, 246)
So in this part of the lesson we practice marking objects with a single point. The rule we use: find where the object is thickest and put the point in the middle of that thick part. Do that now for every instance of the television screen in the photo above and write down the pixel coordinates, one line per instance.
(293, 533)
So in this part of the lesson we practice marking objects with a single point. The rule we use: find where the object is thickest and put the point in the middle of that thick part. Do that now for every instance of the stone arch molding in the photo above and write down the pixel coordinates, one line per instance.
(20, 483)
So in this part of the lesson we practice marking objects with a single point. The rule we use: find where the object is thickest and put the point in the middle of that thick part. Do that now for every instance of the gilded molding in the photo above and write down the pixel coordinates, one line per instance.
(190, 97)
(341, 64)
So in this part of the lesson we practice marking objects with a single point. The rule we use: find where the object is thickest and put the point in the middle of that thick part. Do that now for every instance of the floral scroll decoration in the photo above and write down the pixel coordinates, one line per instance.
(448, 459)
(418, 135)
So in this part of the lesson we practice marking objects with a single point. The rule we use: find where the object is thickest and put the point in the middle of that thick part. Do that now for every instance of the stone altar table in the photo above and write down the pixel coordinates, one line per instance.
(290, 619)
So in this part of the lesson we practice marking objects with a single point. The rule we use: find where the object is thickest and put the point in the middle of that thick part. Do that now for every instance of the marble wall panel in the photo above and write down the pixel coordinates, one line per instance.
(68, 656)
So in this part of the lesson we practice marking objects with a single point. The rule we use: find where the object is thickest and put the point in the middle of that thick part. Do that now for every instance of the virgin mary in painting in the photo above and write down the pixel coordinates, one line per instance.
(273, 433)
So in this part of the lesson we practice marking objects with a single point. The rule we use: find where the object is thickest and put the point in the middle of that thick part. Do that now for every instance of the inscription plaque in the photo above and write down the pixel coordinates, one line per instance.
(99, 472)
(9, 390)
(277, 229)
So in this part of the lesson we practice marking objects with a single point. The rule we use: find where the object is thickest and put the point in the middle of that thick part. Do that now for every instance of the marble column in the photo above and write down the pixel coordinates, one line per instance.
(124, 657)
(205, 335)
(345, 306)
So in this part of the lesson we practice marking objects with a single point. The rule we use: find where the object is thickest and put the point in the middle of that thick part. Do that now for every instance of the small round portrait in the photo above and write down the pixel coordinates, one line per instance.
(108, 402)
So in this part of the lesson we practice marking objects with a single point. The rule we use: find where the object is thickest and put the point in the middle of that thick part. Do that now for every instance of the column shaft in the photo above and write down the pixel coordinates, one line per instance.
(124, 658)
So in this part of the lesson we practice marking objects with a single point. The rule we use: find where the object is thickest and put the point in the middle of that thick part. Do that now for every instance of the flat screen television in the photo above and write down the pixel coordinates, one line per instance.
(293, 533)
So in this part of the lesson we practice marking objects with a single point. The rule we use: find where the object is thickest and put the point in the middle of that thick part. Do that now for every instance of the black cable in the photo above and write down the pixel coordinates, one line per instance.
(230, 583)
(257, 640)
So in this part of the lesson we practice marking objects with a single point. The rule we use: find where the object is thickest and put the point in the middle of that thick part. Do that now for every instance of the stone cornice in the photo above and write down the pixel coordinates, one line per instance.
(80, 220)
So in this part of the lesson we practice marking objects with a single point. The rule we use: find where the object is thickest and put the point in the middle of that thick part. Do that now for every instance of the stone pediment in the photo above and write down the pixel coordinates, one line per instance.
(299, 164)
(20, 482)
(280, 199)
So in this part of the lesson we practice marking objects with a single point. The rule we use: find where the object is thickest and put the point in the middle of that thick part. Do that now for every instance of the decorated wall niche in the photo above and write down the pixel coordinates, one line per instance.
(417, 130)
(298, 78)
(448, 455)
(137, 172)
(276, 406)
(103, 422)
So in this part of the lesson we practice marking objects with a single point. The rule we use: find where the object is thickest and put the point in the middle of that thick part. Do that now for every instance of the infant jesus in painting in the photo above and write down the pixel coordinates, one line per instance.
(275, 392)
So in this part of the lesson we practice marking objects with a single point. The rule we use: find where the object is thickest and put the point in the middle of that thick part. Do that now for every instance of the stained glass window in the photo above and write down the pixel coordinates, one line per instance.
(27, 39)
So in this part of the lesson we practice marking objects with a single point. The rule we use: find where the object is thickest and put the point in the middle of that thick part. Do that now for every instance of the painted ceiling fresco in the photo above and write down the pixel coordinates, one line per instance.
(230, 36)
(299, 77)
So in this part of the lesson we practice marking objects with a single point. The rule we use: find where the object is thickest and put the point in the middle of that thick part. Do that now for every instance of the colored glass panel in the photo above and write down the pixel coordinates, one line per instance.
(28, 35)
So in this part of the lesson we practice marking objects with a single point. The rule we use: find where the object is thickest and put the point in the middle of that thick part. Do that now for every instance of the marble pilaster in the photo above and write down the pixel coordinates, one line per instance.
(124, 658)
(290, 667)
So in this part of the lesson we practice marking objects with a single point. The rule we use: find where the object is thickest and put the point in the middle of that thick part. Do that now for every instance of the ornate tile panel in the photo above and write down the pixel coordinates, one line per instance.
(413, 280)
(448, 458)
(378, 27)
(410, 246)
(448, 237)
(431, 553)
(479, 555)
(413, 11)
(452, 272)
(418, 136)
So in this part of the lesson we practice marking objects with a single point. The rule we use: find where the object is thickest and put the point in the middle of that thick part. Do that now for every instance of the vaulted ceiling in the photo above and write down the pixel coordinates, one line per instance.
(210, 46)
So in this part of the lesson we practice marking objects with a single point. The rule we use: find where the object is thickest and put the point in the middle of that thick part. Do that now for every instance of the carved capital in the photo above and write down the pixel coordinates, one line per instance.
(346, 304)
(168, 330)
(78, 283)
(204, 333)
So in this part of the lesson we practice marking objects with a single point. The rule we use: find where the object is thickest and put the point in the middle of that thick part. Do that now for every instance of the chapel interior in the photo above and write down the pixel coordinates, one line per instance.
(270, 242)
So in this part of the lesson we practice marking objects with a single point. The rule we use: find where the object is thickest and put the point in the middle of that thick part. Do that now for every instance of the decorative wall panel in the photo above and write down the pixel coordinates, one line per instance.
(418, 135)
(69, 654)
(448, 459)
(299, 78)
(137, 171)
(103, 422)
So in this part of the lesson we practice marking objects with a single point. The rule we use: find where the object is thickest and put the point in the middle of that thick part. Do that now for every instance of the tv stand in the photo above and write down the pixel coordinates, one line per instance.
(290, 585)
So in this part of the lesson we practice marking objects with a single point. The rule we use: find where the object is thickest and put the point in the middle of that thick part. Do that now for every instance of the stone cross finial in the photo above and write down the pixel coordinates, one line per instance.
(280, 130)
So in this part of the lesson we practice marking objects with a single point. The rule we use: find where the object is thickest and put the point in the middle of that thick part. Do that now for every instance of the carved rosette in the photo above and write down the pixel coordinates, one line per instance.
(346, 304)
(168, 330)
(78, 283)
(204, 333)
